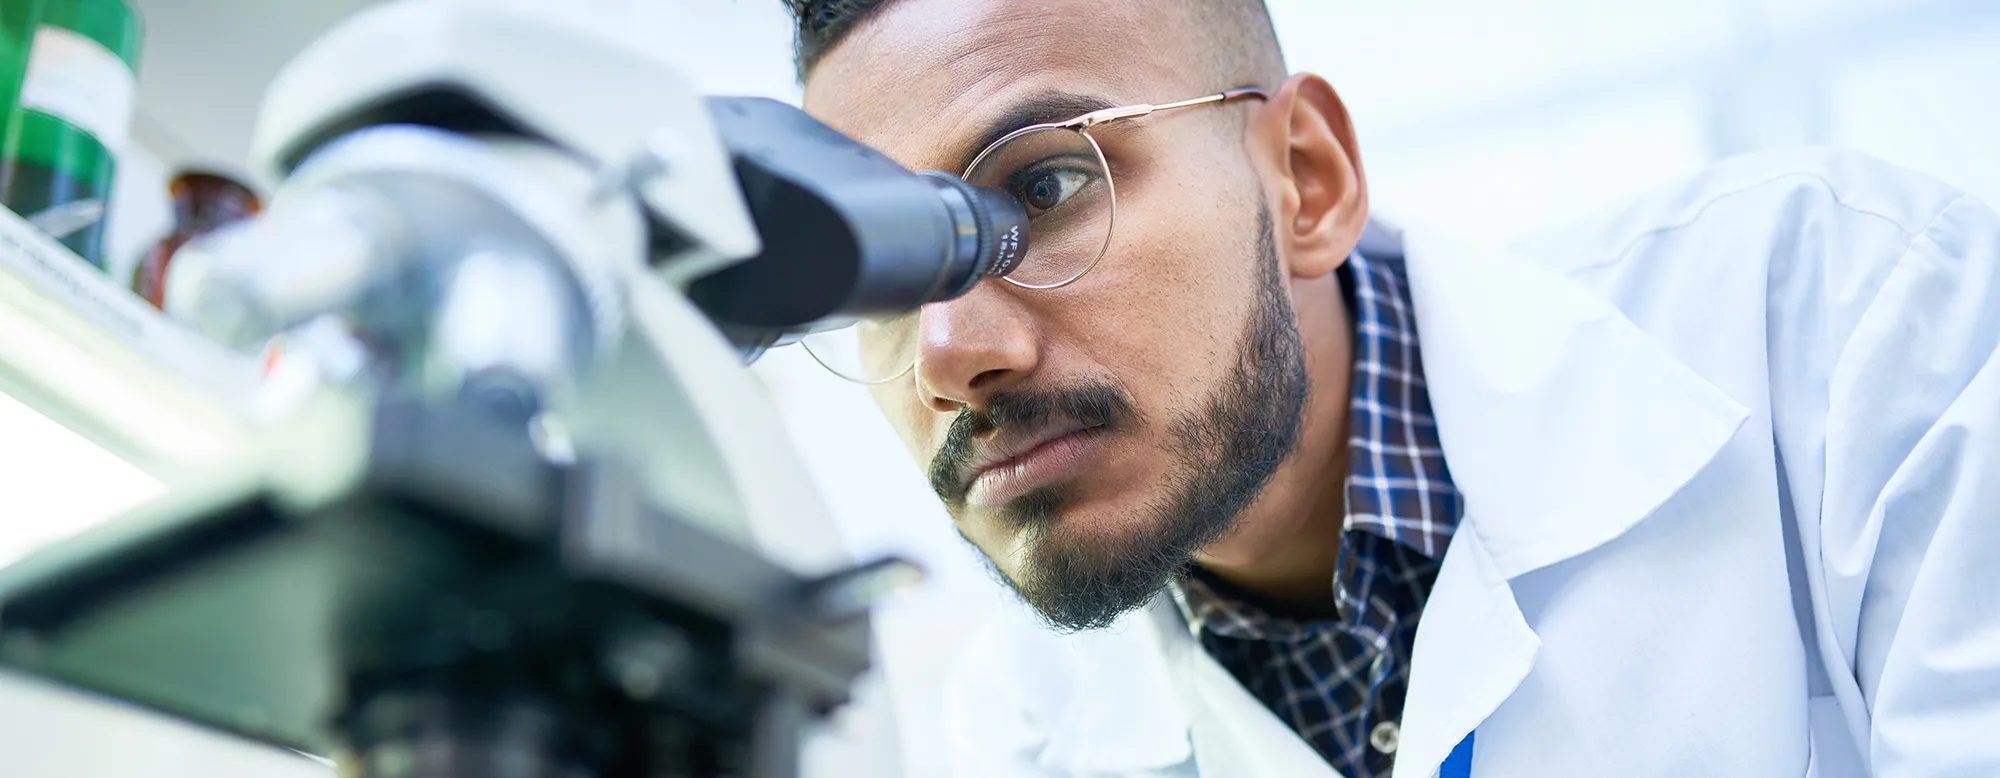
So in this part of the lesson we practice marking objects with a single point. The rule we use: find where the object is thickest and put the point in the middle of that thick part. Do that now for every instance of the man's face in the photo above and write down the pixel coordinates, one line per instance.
(1089, 439)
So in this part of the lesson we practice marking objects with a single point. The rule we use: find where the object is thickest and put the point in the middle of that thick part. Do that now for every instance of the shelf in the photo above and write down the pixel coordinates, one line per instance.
(96, 359)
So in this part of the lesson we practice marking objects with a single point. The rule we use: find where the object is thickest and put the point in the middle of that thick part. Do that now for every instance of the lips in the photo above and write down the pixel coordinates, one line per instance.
(1019, 461)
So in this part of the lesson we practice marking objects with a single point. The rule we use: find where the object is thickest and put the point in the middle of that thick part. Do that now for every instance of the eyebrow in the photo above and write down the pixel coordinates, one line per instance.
(1045, 108)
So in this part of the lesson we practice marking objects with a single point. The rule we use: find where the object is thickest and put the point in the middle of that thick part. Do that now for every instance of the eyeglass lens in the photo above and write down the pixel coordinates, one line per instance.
(1060, 177)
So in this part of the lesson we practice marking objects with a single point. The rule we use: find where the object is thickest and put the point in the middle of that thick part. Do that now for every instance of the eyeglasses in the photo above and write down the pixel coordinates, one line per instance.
(1058, 173)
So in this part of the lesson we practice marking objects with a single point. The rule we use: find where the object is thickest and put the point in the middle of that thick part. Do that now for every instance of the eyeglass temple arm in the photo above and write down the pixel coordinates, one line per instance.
(1095, 118)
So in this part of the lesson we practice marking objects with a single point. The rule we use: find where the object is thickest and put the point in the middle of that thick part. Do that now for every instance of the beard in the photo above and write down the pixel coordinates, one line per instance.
(1225, 453)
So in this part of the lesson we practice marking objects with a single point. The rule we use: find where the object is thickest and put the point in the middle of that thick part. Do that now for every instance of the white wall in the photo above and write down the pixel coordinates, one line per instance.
(1503, 118)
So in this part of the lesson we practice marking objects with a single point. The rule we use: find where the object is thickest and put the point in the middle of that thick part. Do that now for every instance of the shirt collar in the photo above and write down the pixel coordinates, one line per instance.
(1397, 484)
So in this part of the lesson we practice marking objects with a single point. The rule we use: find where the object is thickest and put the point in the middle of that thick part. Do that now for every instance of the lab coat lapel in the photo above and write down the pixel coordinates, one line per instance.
(1150, 699)
(1473, 648)
(1233, 733)
(1127, 712)
(1564, 425)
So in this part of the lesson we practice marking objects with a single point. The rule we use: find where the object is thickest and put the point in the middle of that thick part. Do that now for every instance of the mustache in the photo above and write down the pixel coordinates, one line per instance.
(1095, 405)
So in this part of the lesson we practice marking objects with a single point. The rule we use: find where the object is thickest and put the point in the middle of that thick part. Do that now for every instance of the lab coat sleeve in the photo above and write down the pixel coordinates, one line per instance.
(1910, 516)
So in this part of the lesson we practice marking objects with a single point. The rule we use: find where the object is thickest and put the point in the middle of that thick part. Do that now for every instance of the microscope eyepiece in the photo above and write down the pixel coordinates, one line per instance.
(991, 229)
(847, 232)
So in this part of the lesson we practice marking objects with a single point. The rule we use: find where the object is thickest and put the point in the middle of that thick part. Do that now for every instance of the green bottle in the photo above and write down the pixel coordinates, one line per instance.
(18, 20)
(70, 111)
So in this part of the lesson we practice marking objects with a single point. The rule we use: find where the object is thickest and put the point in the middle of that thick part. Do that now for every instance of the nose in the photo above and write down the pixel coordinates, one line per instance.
(973, 348)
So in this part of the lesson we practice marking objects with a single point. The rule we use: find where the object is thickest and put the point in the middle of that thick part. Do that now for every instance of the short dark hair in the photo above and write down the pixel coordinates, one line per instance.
(823, 24)
(1243, 46)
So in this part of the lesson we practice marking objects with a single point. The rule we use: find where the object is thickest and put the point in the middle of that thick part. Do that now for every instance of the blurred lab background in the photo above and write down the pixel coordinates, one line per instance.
(1492, 119)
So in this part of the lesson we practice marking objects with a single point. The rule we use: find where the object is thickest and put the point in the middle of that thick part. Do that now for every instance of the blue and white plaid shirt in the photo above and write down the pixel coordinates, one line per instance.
(1340, 682)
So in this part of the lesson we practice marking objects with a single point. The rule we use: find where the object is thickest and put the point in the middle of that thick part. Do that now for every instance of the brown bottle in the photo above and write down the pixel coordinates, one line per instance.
(202, 203)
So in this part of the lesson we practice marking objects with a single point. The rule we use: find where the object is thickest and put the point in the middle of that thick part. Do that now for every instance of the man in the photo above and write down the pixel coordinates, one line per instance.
(1703, 488)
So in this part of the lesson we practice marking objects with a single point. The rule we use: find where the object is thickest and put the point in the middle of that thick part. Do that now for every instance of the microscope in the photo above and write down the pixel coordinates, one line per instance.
(505, 528)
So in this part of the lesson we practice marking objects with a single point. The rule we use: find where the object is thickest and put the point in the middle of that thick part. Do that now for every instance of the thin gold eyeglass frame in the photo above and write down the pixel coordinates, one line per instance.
(1081, 125)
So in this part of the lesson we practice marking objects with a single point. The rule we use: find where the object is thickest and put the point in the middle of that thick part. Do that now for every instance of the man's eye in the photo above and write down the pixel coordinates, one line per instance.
(1041, 189)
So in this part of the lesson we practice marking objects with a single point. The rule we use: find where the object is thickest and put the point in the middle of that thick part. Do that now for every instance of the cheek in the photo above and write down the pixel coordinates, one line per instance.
(912, 422)
(1165, 308)
(999, 545)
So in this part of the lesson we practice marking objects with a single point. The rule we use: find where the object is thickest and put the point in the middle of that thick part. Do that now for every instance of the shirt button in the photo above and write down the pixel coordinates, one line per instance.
(1385, 737)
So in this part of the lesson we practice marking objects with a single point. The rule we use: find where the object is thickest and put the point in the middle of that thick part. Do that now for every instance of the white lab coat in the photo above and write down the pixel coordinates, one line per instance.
(1731, 468)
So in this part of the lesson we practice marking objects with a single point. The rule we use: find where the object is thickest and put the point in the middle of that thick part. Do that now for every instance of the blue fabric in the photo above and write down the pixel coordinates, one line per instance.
(1459, 764)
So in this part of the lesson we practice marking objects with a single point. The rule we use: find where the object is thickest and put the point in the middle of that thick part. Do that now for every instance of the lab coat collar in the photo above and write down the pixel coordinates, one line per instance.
(1564, 424)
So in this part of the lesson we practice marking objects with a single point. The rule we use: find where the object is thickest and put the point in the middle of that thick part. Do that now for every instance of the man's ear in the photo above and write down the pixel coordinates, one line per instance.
(1304, 149)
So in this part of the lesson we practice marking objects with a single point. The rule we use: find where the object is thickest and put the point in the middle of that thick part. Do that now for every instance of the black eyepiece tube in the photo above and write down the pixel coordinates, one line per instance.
(992, 229)
(847, 232)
